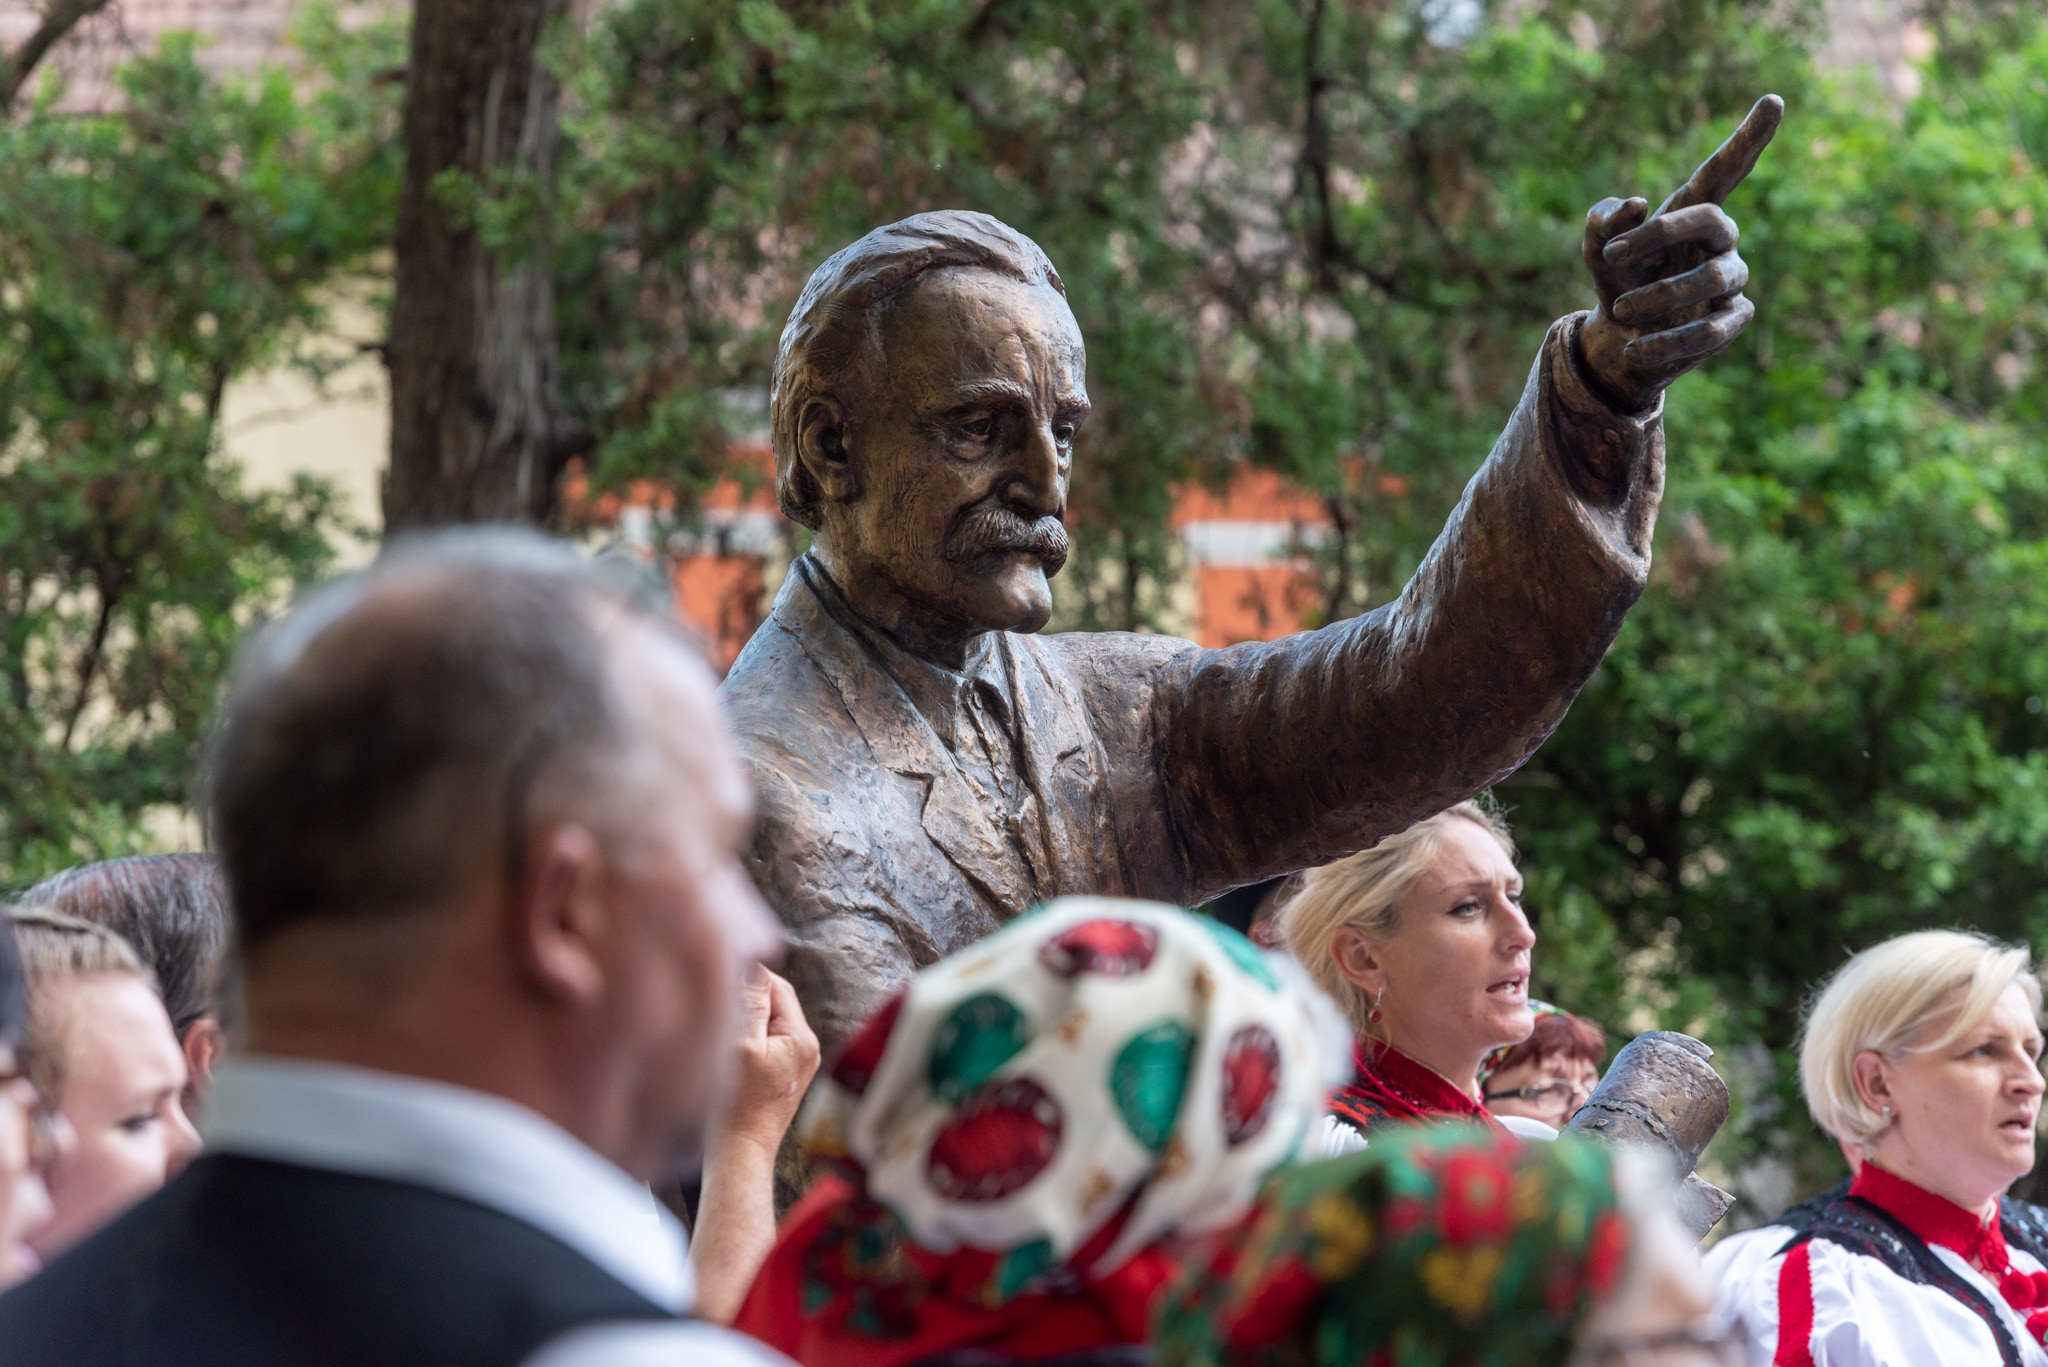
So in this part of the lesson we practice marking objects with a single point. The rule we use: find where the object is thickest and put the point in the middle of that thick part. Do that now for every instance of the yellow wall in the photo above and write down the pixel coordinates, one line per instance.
(278, 424)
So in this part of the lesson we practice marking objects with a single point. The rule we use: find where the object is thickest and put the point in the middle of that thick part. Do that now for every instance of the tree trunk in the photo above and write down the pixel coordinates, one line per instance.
(472, 351)
(59, 18)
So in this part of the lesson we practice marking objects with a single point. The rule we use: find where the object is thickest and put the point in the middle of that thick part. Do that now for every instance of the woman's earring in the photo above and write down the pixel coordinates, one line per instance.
(1374, 1014)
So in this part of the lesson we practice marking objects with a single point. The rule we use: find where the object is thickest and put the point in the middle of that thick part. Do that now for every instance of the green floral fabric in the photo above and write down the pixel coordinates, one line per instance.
(1431, 1248)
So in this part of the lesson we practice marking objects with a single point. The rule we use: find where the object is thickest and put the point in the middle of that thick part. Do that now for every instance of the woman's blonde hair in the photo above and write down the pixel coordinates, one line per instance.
(1915, 994)
(55, 947)
(1364, 891)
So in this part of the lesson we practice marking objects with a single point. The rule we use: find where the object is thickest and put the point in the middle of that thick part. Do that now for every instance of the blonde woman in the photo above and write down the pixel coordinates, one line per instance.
(1422, 941)
(31, 1136)
(1922, 1054)
(101, 1048)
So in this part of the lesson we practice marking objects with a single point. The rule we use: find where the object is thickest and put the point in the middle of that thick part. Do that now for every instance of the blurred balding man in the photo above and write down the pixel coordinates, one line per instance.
(481, 827)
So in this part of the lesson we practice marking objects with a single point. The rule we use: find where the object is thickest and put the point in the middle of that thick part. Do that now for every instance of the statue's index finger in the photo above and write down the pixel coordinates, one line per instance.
(1733, 160)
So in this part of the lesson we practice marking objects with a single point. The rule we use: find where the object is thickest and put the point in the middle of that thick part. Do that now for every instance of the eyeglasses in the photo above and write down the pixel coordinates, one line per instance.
(1558, 1093)
(38, 1119)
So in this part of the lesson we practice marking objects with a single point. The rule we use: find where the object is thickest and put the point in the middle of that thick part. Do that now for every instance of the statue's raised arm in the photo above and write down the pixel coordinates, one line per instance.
(928, 766)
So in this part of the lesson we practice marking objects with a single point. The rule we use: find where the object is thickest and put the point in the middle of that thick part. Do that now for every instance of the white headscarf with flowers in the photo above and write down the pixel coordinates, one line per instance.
(1095, 1059)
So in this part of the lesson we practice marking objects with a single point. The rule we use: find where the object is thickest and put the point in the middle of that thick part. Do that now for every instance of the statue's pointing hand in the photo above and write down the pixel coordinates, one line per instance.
(1670, 283)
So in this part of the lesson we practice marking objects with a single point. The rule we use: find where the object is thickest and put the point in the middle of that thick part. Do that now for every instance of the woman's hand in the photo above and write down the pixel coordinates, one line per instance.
(736, 1213)
(778, 1058)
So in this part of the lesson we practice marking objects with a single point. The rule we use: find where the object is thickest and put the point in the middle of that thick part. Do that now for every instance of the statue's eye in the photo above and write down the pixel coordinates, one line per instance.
(1064, 434)
(981, 428)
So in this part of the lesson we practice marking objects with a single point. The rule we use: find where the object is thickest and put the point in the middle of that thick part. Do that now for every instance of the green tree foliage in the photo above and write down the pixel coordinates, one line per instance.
(1824, 725)
(147, 257)
(1319, 238)
(1425, 184)
(1325, 238)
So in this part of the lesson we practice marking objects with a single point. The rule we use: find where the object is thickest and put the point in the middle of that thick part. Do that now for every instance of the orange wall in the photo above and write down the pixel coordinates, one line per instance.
(1253, 496)
(722, 596)
(1250, 602)
(1241, 595)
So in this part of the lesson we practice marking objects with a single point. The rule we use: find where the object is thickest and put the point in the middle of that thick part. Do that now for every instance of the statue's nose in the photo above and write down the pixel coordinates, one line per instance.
(1039, 476)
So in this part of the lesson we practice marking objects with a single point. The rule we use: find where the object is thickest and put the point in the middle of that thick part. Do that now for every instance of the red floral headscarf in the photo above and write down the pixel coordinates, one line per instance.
(1432, 1246)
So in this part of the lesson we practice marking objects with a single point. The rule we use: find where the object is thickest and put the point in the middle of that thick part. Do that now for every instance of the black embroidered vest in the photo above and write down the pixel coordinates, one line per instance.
(1861, 1227)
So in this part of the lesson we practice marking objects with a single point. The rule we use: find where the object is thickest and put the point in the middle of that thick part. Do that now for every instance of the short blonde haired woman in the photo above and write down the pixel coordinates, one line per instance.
(1922, 1055)
(1422, 941)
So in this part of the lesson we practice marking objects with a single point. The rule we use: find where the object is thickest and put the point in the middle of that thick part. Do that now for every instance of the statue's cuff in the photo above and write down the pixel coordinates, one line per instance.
(1607, 447)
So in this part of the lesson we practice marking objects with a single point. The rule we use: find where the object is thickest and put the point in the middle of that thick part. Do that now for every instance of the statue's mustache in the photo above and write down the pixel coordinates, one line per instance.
(989, 527)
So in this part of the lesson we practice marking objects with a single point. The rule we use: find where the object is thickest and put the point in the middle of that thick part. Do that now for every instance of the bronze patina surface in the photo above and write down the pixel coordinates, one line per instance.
(1661, 1094)
(929, 767)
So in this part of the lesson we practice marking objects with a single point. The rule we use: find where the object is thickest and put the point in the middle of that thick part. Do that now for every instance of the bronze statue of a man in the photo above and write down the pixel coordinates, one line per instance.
(928, 768)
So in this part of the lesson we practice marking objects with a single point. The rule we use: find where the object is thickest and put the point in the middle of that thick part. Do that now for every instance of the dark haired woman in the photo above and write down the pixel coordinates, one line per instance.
(1548, 1076)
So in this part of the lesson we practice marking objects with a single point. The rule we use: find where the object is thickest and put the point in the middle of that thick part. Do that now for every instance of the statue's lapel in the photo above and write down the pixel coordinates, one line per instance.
(1064, 769)
(903, 742)
(957, 824)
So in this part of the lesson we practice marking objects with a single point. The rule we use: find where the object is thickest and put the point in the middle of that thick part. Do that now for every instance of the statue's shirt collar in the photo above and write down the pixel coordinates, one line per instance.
(940, 695)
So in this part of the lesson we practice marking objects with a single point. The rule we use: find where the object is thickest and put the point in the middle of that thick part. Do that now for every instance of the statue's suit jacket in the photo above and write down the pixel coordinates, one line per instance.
(1156, 768)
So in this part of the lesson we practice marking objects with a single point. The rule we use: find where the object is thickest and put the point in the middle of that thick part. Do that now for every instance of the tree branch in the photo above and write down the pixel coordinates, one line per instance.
(59, 19)
(1315, 148)
(88, 663)
(1342, 522)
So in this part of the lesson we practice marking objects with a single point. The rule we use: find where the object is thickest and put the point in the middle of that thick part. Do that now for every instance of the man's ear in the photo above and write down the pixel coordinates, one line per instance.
(821, 446)
(557, 919)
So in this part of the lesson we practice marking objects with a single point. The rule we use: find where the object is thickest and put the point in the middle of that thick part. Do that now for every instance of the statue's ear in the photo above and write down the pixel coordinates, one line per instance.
(821, 446)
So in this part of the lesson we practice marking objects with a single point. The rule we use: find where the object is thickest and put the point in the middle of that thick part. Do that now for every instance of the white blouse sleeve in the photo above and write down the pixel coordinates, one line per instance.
(1335, 1138)
(1521, 1127)
(1735, 1258)
(1866, 1316)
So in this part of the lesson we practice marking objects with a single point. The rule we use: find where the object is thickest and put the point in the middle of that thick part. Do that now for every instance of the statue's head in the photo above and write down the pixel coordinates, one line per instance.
(926, 395)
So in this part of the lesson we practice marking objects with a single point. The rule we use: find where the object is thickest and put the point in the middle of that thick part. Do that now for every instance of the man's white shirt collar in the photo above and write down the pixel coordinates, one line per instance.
(458, 1141)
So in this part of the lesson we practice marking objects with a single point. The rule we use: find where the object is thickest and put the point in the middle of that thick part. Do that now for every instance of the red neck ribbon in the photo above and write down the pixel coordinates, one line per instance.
(1388, 1085)
(1942, 1223)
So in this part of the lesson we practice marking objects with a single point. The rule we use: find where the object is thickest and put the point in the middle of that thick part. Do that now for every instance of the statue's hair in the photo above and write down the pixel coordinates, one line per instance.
(836, 324)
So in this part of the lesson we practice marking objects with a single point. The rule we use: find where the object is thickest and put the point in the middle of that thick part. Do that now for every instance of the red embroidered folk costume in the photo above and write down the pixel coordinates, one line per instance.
(846, 1285)
(1889, 1273)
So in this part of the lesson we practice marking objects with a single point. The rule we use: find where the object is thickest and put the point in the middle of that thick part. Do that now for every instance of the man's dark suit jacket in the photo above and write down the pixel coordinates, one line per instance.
(1156, 768)
(240, 1262)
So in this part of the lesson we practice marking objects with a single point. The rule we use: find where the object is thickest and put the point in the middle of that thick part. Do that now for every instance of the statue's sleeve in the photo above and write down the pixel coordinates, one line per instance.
(847, 941)
(1283, 755)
